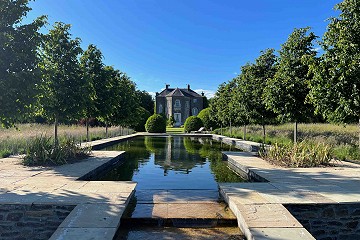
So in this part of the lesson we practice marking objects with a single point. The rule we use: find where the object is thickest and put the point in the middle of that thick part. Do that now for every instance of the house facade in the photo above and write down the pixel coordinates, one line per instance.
(179, 102)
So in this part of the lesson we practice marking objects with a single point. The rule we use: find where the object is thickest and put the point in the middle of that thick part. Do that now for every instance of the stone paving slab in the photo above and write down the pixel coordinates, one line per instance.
(281, 234)
(267, 215)
(84, 233)
(94, 216)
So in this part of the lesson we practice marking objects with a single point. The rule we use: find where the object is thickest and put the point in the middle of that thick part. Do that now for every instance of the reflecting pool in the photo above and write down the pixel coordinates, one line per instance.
(172, 162)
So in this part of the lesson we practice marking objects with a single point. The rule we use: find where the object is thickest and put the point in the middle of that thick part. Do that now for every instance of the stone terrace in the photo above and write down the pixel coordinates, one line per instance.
(259, 206)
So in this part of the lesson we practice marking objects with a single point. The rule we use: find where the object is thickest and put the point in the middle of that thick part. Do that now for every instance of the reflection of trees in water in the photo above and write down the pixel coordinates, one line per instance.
(192, 145)
(136, 155)
(211, 150)
(155, 144)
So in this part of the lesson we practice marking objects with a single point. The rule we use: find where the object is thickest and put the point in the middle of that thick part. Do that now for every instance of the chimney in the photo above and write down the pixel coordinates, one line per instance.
(202, 94)
(156, 94)
(188, 86)
(167, 86)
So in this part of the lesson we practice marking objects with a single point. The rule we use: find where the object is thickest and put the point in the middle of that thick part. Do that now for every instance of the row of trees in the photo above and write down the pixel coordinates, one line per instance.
(298, 85)
(50, 75)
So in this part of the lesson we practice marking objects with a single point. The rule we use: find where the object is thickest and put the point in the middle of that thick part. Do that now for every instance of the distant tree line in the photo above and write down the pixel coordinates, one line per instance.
(299, 84)
(49, 76)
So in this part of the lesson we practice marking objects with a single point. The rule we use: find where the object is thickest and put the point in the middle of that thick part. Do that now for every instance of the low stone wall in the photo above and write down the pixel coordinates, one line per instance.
(329, 221)
(23, 222)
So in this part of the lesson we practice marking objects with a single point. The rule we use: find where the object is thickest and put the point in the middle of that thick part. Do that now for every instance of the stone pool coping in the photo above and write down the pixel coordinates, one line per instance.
(259, 208)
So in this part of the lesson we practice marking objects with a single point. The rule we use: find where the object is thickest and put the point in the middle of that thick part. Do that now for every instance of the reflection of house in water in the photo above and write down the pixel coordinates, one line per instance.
(177, 155)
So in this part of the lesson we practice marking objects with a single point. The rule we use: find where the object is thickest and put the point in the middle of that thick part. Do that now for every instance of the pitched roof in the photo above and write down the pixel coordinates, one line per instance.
(178, 92)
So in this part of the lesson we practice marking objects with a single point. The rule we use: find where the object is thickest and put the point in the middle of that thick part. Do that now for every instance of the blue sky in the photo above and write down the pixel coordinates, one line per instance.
(198, 42)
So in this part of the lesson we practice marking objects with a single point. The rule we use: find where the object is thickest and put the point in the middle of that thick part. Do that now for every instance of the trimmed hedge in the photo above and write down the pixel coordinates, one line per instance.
(156, 124)
(193, 123)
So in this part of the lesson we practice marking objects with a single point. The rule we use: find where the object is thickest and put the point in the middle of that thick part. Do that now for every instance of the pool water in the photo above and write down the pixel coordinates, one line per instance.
(172, 162)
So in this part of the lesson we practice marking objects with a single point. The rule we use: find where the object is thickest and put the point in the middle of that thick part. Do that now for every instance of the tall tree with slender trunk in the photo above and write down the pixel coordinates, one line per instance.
(253, 79)
(93, 73)
(285, 94)
(19, 71)
(62, 85)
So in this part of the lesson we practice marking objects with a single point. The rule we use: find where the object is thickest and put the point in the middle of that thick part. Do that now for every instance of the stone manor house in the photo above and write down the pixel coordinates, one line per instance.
(179, 102)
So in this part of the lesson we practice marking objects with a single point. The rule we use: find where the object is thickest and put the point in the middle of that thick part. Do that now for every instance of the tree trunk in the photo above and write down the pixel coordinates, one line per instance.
(359, 133)
(295, 131)
(56, 140)
(264, 133)
(106, 130)
(230, 129)
(244, 134)
(87, 129)
(221, 130)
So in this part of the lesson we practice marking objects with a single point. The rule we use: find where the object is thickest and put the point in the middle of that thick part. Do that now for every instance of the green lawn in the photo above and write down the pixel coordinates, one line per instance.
(174, 130)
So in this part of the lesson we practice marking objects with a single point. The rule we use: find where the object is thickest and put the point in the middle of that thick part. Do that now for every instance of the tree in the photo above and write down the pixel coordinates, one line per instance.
(222, 107)
(146, 101)
(126, 101)
(95, 87)
(61, 87)
(19, 72)
(140, 119)
(286, 93)
(335, 88)
(251, 89)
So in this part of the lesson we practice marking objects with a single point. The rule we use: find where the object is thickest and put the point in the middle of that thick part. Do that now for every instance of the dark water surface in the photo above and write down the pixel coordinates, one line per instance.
(172, 163)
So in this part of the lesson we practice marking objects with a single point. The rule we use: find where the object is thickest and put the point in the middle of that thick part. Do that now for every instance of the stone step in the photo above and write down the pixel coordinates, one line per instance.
(178, 208)
(156, 233)
(179, 222)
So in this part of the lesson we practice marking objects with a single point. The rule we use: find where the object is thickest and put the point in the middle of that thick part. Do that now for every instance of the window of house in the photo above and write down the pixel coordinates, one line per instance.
(161, 108)
(187, 104)
(195, 100)
(195, 111)
(177, 103)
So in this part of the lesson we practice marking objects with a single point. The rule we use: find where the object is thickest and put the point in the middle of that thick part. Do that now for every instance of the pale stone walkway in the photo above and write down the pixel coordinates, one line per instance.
(99, 205)
(258, 206)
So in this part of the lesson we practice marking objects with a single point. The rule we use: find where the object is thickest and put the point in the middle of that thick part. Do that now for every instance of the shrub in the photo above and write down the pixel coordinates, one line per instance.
(156, 124)
(171, 121)
(193, 123)
(204, 115)
(5, 153)
(303, 154)
(41, 151)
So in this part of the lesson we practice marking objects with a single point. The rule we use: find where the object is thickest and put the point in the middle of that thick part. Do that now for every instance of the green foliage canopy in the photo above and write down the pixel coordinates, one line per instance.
(335, 88)
(285, 94)
(19, 72)
(95, 83)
